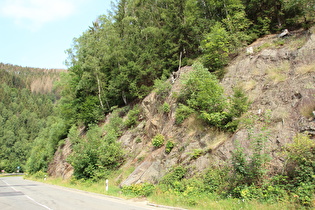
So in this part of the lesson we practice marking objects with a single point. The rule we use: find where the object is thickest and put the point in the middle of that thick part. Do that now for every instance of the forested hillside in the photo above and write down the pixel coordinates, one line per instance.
(23, 112)
(36, 79)
(118, 58)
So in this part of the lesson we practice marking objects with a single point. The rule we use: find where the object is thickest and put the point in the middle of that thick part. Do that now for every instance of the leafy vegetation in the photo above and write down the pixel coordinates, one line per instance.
(132, 117)
(122, 55)
(23, 117)
(248, 184)
(96, 154)
(145, 189)
(166, 107)
(158, 140)
(182, 113)
(45, 145)
(169, 146)
(204, 95)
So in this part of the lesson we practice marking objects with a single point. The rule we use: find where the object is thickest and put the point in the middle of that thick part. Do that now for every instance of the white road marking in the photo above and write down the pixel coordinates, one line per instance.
(46, 207)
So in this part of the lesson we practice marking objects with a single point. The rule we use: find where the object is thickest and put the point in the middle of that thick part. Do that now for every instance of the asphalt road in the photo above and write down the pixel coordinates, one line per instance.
(17, 193)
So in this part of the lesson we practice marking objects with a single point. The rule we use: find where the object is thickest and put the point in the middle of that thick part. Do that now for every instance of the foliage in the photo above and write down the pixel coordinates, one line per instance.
(173, 178)
(204, 95)
(248, 180)
(300, 152)
(300, 168)
(45, 145)
(204, 91)
(225, 37)
(158, 140)
(215, 47)
(144, 189)
(250, 169)
(196, 153)
(23, 116)
(94, 157)
(239, 103)
(182, 112)
(214, 179)
(162, 87)
(166, 107)
(169, 146)
(132, 117)
(121, 56)
(237, 25)
(39, 175)
(87, 112)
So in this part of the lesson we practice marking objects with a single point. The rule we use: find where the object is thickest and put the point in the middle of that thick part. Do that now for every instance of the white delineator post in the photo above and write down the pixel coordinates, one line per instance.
(106, 185)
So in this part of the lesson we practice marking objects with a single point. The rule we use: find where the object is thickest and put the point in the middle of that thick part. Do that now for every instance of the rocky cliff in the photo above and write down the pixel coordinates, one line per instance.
(278, 75)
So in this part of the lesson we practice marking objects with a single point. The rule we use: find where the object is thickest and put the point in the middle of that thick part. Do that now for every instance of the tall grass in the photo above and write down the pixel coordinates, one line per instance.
(202, 201)
(213, 201)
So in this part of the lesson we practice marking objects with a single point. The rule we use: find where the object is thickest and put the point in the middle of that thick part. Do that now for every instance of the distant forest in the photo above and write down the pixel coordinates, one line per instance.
(23, 112)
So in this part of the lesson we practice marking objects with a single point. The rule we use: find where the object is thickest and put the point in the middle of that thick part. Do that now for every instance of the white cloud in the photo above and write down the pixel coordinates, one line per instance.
(33, 14)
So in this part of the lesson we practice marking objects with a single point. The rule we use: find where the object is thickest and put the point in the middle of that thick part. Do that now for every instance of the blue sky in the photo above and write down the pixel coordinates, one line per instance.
(36, 33)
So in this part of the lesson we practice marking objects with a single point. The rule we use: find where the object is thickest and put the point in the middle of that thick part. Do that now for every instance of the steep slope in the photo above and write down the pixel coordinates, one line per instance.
(278, 77)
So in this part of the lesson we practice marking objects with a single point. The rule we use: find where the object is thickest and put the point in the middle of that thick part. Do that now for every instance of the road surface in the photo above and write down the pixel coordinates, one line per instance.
(17, 193)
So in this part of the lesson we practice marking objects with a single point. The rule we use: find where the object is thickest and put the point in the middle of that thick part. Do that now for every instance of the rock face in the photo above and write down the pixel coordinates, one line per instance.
(59, 167)
(279, 80)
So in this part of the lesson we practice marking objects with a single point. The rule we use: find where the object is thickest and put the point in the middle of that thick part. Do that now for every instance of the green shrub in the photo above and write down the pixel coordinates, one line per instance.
(216, 48)
(169, 146)
(300, 169)
(304, 194)
(143, 190)
(204, 91)
(196, 153)
(273, 192)
(300, 157)
(94, 156)
(245, 192)
(250, 169)
(215, 179)
(132, 117)
(239, 103)
(172, 179)
(217, 119)
(116, 121)
(296, 184)
(182, 113)
(158, 140)
(88, 112)
(203, 94)
(39, 175)
(162, 87)
(166, 107)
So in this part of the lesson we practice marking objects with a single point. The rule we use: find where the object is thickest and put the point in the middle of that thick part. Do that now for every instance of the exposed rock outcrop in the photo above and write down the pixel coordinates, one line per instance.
(59, 167)
(276, 77)
(280, 79)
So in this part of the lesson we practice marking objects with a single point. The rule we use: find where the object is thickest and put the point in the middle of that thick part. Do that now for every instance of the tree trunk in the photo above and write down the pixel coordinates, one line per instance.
(99, 92)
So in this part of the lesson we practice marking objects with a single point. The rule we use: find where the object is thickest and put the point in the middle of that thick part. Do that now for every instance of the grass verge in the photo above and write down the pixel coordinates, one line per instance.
(198, 202)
